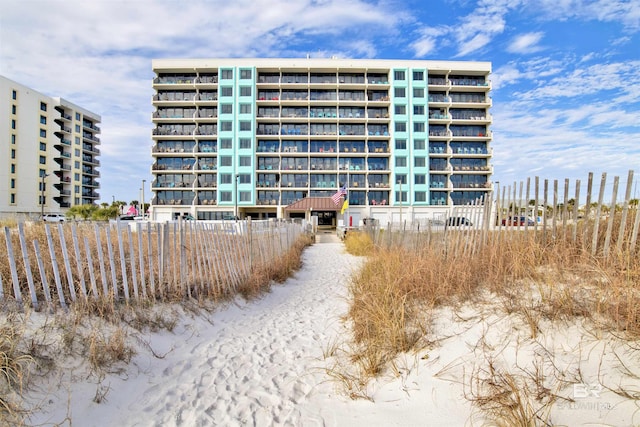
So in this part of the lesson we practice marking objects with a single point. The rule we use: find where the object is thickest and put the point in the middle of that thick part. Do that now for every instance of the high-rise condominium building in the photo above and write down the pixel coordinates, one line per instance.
(278, 137)
(49, 153)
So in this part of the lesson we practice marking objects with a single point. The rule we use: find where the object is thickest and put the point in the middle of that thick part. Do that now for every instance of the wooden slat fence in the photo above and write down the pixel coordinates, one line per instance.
(122, 262)
(604, 229)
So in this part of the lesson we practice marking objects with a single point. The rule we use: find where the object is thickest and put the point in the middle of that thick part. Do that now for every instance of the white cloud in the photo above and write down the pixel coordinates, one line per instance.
(526, 43)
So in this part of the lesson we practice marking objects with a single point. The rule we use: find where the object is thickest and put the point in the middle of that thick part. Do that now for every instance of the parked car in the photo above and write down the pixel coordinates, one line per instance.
(518, 220)
(456, 221)
(127, 217)
(54, 218)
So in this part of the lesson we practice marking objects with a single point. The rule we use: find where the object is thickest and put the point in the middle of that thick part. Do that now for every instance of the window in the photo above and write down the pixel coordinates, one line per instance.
(13, 109)
(245, 125)
(400, 109)
(401, 127)
(77, 152)
(13, 124)
(419, 144)
(226, 126)
(43, 106)
(420, 162)
(43, 133)
(12, 199)
(225, 196)
(76, 189)
(226, 143)
(244, 178)
(399, 92)
(398, 75)
(14, 94)
(13, 139)
(77, 140)
(418, 127)
(43, 160)
(245, 160)
(225, 178)
(245, 74)
(77, 128)
(245, 108)
(418, 92)
(226, 75)
(43, 120)
(77, 116)
(401, 178)
(420, 179)
(13, 153)
(43, 146)
(225, 161)
(13, 183)
(76, 164)
(401, 144)
(226, 91)
(418, 75)
(13, 168)
(401, 162)
(226, 108)
(42, 173)
(76, 176)
(418, 110)
(245, 143)
(420, 196)
(245, 90)
(245, 196)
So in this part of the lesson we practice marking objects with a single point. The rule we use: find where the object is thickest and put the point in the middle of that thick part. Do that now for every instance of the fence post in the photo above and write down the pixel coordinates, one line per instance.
(54, 265)
(43, 273)
(67, 264)
(612, 214)
(76, 248)
(596, 225)
(27, 266)
(625, 211)
(92, 277)
(14, 271)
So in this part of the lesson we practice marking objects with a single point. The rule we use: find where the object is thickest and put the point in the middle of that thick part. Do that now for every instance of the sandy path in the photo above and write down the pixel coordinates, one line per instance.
(250, 364)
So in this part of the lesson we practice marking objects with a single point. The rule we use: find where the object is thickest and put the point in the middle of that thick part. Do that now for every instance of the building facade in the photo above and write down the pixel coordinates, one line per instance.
(251, 137)
(49, 152)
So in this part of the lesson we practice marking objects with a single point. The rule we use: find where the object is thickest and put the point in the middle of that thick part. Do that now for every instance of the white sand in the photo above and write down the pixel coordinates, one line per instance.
(262, 363)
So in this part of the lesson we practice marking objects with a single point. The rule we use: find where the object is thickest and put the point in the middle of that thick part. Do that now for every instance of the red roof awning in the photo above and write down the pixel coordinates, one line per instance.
(314, 203)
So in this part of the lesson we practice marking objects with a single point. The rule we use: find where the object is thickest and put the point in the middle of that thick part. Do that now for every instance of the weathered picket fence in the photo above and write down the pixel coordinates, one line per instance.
(533, 208)
(57, 265)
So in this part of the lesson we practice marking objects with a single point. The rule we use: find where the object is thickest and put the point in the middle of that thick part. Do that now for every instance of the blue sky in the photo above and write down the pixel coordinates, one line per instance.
(566, 73)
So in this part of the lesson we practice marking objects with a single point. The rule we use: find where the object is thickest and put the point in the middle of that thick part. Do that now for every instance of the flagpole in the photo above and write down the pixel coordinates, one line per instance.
(347, 196)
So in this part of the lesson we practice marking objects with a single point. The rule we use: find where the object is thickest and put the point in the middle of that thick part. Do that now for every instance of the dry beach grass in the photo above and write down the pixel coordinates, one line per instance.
(398, 295)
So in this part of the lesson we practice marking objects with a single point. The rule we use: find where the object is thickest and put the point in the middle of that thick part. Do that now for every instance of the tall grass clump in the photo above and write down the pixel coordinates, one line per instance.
(277, 270)
(536, 278)
(358, 243)
(15, 366)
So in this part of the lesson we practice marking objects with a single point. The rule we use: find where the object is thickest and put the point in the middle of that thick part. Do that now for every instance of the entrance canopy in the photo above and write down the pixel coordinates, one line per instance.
(313, 204)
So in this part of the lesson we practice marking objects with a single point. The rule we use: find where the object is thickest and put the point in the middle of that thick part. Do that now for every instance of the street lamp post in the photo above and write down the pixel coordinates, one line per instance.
(44, 175)
(144, 211)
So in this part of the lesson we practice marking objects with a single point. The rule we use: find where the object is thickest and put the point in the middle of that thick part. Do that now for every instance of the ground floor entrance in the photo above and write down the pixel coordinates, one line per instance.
(326, 219)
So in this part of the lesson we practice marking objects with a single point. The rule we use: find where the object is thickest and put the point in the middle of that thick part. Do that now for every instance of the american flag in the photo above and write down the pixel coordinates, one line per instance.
(341, 192)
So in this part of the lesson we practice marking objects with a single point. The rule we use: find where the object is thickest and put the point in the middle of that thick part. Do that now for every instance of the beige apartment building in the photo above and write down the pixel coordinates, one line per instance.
(48, 153)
